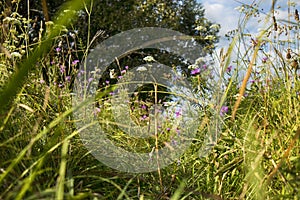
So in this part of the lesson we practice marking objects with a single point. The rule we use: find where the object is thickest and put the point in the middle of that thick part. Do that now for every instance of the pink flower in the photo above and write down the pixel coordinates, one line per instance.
(195, 71)
(68, 78)
(178, 113)
(224, 110)
(75, 62)
(228, 70)
(62, 69)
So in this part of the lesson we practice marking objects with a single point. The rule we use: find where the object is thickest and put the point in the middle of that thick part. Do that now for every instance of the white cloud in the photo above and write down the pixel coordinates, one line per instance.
(221, 12)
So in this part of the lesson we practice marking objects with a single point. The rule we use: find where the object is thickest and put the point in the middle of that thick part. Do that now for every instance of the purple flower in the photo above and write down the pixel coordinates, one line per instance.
(264, 59)
(224, 109)
(126, 67)
(58, 49)
(168, 129)
(62, 69)
(228, 70)
(107, 82)
(123, 71)
(119, 77)
(178, 162)
(144, 117)
(144, 107)
(80, 72)
(204, 66)
(195, 71)
(42, 81)
(178, 113)
(60, 85)
(90, 80)
(52, 62)
(174, 142)
(68, 78)
(75, 62)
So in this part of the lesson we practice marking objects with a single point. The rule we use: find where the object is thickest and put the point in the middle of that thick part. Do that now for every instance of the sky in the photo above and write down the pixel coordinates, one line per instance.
(225, 12)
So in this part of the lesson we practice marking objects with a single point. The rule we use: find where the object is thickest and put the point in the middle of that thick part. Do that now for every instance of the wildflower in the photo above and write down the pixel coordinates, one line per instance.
(119, 77)
(204, 67)
(144, 107)
(237, 96)
(52, 62)
(58, 49)
(228, 70)
(144, 117)
(75, 62)
(90, 80)
(148, 59)
(168, 129)
(126, 67)
(62, 69)
(195, 71)
(80, 72)
(68, 78)
(16, 54)
(42, 81)
(123, 71)
(178, 113)
(107, 82)
(264, 59)
(174, 142)
(97, 110)
(224, 110)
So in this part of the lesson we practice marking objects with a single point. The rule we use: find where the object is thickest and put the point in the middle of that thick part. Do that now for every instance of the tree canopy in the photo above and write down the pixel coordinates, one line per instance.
(115, 16)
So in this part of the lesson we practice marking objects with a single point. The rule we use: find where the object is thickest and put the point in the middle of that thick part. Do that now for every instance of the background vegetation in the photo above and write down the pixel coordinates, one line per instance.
(42, 156)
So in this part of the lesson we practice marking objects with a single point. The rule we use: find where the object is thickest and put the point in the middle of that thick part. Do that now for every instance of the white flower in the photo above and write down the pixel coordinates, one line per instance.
(16, 54)
(237, 96)
(149, 59)
(141, 69)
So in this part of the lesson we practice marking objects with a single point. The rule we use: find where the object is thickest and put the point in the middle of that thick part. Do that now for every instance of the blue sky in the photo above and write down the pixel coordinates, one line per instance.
(223, 12)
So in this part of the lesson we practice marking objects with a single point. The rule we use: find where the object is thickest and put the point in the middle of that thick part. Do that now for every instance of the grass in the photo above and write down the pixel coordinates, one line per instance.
(256, 156)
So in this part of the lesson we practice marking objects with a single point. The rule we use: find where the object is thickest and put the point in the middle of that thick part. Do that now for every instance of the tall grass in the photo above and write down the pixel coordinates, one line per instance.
(256, 157)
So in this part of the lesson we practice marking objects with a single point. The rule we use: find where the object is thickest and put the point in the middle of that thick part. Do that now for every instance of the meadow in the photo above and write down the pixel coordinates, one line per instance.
(255, 156)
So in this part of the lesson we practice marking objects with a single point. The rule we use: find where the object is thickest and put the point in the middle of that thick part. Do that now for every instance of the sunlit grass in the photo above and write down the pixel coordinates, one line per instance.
(256, 157)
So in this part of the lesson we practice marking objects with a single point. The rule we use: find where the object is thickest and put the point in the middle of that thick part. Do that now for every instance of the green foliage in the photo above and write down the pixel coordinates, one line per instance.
(257, 155)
